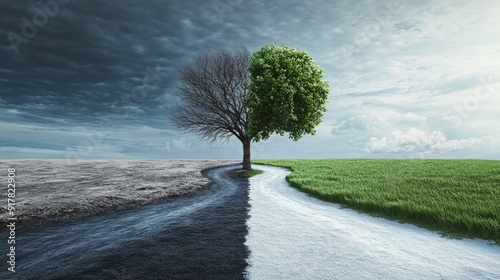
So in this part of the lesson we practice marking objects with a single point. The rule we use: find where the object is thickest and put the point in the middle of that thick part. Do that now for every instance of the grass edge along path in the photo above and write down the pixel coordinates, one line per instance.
(254, 172)
(458, 198)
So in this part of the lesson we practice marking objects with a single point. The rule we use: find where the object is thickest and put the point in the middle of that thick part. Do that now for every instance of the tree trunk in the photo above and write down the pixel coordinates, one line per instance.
(247, 164)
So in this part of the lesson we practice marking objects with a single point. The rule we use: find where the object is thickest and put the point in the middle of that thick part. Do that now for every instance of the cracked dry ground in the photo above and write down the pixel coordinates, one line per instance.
(49, 190)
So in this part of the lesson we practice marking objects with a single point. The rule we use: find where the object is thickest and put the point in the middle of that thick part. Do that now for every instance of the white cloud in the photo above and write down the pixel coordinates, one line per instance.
(416, 140)
(391, 116)
(377, 120)
(178, 144)
(490, 142)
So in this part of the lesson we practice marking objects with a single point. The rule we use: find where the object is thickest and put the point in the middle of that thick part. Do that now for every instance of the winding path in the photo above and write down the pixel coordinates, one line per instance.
(294, 236)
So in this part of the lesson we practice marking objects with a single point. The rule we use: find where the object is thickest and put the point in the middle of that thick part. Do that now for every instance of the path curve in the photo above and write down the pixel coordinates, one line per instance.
(294, 236)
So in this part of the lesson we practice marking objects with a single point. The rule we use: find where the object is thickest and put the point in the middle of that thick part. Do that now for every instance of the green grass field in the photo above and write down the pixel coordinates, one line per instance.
(456, 197)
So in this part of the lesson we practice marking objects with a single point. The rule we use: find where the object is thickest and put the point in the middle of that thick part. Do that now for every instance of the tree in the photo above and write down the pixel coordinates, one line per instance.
(214, 90)
(278, 90)
(287, 93)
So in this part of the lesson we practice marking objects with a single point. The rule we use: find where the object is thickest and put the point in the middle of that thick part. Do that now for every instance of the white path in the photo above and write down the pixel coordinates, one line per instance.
(293, 236)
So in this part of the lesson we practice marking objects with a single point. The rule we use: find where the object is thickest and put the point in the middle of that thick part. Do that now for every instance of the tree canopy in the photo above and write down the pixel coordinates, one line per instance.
(214, 90)
(287, 93)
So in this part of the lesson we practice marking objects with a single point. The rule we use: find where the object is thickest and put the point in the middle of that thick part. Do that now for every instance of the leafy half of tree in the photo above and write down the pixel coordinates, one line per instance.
(287, 93)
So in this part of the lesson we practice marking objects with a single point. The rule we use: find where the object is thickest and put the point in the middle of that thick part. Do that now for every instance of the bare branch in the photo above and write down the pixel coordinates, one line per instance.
(213, 91)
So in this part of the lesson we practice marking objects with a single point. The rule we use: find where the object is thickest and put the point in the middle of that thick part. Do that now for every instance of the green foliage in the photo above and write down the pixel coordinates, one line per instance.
(287, 93)
(456, 197)
(254, 172)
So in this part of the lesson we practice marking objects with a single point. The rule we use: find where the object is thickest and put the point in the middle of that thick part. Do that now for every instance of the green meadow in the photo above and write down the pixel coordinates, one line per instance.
(459, 198)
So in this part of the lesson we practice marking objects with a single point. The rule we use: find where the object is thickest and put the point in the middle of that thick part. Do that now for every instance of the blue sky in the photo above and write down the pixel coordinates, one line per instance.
(94, 80)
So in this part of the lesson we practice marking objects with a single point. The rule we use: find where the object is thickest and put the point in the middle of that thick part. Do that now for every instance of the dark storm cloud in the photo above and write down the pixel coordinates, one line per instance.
(89, 56)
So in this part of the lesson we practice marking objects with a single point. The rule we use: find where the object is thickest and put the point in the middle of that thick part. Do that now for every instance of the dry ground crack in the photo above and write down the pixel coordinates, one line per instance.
(48, 190)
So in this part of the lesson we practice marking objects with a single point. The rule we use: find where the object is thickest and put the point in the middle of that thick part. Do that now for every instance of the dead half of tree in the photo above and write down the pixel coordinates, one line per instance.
(213, 92)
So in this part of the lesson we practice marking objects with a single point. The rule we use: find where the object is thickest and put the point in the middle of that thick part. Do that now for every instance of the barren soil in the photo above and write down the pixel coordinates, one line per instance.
(48, 190)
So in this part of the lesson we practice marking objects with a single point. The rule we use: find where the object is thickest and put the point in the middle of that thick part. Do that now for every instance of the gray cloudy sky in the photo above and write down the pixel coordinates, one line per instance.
(94, 79)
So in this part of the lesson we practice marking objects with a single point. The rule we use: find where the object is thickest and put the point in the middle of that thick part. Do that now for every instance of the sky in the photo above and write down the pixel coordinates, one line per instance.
(96, 79)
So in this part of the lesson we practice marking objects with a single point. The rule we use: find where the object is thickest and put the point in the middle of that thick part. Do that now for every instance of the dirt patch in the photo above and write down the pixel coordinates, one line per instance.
(48, 190)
